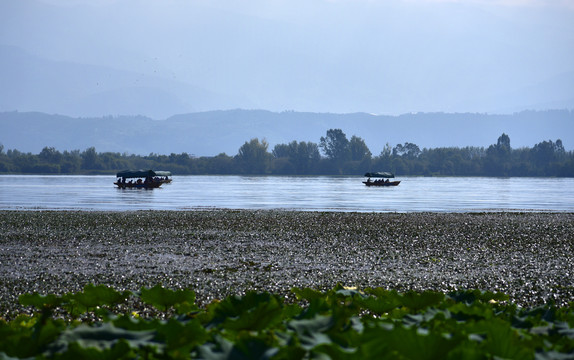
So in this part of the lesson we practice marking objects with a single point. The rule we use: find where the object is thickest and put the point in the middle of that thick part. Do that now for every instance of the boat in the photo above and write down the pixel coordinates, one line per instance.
(146, 179)
(380, 181)
(164, 176)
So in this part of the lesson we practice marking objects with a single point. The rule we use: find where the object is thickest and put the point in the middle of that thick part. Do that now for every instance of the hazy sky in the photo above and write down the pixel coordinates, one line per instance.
(384, 57)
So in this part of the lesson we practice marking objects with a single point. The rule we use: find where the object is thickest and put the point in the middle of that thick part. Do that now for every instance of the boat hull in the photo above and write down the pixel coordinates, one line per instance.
(382, 183)
(152, 185)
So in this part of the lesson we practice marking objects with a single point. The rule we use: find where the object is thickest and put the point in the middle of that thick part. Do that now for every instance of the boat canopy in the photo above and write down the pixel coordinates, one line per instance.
(380, 174)
(137, 173)
(162, 173)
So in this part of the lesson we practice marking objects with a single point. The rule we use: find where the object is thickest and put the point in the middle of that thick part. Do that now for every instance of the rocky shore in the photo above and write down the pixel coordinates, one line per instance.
(529, 256)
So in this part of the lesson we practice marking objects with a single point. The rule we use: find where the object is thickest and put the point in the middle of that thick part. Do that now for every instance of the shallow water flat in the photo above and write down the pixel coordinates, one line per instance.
(314, 193)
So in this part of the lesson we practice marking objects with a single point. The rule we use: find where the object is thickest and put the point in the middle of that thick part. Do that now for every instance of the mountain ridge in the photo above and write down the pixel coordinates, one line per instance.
(210, 133)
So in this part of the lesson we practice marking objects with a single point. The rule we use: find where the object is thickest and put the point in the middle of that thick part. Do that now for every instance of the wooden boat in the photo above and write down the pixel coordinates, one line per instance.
(146, 179)
(163, 176)
(380, 181)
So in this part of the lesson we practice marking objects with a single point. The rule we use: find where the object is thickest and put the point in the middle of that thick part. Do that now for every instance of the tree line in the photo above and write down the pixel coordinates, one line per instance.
(335, 154)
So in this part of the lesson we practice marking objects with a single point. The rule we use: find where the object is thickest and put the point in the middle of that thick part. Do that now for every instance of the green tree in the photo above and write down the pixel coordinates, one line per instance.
(408, 150)
(387, 152)
(498, 157)
(221, 164)
(90, 160)
(295, 158)
(253, 158)
(358, 149)
(547, 152)
(50, 155)
(283, 150)
(335, 146)
(71, 162)
(307, 157)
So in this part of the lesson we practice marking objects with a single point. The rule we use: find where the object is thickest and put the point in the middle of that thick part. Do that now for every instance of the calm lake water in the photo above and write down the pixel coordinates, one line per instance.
(449, 194)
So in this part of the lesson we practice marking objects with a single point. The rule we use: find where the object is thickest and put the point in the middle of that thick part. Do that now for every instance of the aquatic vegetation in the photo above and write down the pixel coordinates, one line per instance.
(220, 253)
(341, 323)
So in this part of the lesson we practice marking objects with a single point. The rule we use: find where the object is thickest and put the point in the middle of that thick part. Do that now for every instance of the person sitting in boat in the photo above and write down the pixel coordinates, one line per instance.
(369, 180)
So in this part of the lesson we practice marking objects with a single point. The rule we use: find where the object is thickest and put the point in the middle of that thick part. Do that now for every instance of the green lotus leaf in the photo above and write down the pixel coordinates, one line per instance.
(470, 296)
(476, 311)
(177, 334)
(404, 343)
(421, 300)
(312, 332)
(308, 294)
(29, 338)
(102, 337)
(500, 339)
(253, 311)
(94, 296)
(379, 305)
(120, 350)
(243, 349)
(565, 330)
(553, 355)
(162, 298)
(40, 301)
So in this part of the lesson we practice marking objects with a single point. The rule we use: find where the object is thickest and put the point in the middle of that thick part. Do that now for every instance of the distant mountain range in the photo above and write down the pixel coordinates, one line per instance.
(214, 132)
(32, 83)
(157, 59)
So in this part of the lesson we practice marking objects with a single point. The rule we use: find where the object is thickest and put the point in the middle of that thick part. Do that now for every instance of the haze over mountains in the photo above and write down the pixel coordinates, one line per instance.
(214, 132)
(158, 59)
(162, 58)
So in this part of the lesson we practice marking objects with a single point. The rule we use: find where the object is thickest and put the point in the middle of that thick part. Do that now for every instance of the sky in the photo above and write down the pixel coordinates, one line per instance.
(160, 58)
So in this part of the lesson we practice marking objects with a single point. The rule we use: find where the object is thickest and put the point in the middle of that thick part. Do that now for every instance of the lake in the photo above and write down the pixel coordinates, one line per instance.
(309, 193)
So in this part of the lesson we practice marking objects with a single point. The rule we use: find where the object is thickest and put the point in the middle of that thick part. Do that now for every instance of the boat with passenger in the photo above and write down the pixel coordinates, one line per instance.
(141, 179)
(163, 176)
(380, 176)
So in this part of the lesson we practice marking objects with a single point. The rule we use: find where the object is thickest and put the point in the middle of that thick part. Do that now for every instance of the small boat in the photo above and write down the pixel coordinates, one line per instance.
(381, 176)
(146, 179)
(381, 183)
(163, 176)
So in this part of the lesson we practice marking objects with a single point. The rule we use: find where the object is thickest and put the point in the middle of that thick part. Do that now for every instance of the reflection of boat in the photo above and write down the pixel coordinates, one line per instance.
(381, 176)
(146, 179)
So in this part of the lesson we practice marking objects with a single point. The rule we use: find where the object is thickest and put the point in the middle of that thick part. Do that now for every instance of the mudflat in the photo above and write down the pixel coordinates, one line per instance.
(216, 253)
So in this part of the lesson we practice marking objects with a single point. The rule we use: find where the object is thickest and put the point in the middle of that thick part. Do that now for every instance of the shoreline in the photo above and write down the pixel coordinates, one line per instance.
(216, 252)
